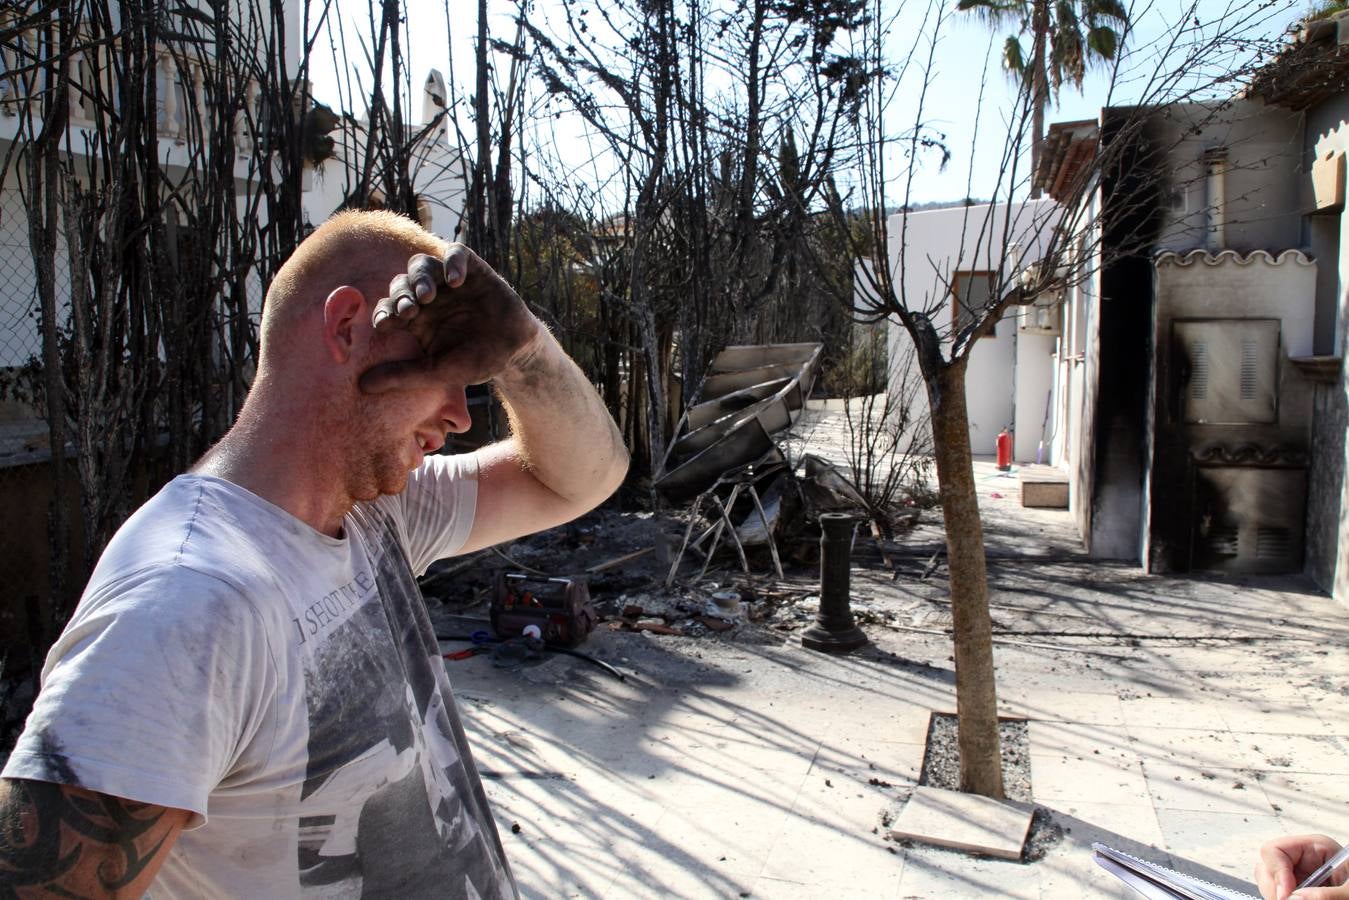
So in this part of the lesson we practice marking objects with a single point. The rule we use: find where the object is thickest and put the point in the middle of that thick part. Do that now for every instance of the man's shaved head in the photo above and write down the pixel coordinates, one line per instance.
(361, 248)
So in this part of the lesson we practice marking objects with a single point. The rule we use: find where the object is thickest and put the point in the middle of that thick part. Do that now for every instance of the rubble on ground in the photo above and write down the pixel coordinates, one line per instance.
(631, 594)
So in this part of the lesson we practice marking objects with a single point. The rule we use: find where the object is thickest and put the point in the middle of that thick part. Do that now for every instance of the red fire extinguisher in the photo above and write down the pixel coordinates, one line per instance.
(1004, 450)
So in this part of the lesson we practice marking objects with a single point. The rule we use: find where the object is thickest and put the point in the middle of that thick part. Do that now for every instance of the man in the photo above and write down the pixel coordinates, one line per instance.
(249, 700)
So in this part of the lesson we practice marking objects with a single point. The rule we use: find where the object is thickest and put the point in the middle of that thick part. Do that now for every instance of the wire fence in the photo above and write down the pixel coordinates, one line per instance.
(42, 566)
(26, 493)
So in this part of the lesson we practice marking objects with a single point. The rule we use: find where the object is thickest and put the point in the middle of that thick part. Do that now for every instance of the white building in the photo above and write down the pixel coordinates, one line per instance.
(949, 262)
(183, 73)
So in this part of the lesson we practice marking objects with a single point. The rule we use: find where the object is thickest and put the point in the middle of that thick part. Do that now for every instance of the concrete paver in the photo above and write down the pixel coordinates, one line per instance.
(1183, 719)
(964, 822)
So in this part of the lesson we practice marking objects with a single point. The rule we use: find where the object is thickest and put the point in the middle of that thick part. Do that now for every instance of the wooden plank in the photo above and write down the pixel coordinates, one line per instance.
(619, 560)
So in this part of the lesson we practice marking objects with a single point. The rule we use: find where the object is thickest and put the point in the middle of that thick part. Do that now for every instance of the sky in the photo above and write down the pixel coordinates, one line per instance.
(965, 62)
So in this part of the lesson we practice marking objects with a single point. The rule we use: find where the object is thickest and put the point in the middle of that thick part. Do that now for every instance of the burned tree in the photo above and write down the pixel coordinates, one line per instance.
(1195, 60)
(723, 126)
(158, 157)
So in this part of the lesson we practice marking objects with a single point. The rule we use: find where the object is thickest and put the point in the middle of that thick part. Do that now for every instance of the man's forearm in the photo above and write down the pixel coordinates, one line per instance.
(564, 434)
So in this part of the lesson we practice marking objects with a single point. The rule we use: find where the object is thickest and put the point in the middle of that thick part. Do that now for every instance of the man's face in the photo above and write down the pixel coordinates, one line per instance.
(395, 430)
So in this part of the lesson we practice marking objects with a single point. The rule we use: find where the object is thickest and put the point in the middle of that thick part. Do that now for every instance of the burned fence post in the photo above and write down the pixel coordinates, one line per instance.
(834, 630)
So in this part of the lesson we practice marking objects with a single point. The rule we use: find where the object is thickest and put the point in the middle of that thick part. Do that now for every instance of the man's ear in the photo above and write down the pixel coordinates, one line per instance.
(346, 316)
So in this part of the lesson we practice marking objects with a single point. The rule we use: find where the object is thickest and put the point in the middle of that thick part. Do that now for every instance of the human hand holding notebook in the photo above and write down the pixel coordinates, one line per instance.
(1303, 867)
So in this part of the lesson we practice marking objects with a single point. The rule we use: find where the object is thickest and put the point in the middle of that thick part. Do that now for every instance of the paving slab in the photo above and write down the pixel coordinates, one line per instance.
(963, 822)
(1222, 843)
(1063, 776)
(1078, 740)
(1085, 821)
(1186, 746)
(866, 758)
(933, 872)
(1321, 753)
(1142, 714)
(1082, 706)
(1207, 789)
(1272, 715)
(829, 858)
(1305, 803)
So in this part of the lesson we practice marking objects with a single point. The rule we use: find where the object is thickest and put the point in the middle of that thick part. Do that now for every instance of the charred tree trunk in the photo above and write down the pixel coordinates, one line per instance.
(42, 168)
(976, 690)
(478, 208)
(648, 210)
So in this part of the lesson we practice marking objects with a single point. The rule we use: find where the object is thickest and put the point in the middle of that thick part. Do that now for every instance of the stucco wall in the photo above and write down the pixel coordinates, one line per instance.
(1035, 401)
(1261, 187)
(1203, 286)
(1327, 541)
(1327, 133)
(437, 176)
(1079, 356)
(1160, 197)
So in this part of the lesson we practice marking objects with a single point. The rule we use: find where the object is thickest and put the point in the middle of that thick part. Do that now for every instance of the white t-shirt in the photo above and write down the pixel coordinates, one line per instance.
(283, 686)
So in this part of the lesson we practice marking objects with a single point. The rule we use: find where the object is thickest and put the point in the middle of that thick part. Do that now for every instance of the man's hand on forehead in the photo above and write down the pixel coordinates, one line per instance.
(470, 323)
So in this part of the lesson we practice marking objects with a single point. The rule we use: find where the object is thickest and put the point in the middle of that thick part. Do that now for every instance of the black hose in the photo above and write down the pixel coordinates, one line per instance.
(593, 660)
(566, 651)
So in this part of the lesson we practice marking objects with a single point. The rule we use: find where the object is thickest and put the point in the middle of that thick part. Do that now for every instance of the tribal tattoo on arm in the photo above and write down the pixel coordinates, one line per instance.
(63, 841)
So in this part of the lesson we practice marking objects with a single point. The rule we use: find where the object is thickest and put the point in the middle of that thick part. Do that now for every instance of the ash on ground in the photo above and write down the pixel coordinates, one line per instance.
(941, 762)
(941, 769)
(625, 558)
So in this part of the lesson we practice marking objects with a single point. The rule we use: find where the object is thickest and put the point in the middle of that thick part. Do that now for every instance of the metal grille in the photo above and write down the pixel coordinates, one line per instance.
(1273, 543)
(20, 338)
(1249, 518)
(26, 472)
(1249, 364)
(1198, 370)
(1224, 541)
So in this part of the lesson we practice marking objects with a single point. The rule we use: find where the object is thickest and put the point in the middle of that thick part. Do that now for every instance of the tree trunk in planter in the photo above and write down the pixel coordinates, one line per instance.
(976, 690)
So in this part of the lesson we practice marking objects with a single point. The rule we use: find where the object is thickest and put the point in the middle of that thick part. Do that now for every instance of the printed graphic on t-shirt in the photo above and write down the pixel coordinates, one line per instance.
(387, 808)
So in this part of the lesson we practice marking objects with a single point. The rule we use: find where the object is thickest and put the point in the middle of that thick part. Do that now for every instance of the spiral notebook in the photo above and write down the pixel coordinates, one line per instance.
(1160, 883)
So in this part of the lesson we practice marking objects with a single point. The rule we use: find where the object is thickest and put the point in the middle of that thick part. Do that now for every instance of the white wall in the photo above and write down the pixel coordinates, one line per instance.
(1035, 395)
(926, 248)
(1262, 209)
(989, 386)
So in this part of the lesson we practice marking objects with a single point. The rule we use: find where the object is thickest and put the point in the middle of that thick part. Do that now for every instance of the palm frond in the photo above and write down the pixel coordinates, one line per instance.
(1102, 42)
(998, 12)
(1067, 60)
(1065, 16)
(1109, 10)
(1013, 59)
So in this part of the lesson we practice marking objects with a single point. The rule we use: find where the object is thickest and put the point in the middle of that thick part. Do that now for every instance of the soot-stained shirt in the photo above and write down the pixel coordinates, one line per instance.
(284, 687)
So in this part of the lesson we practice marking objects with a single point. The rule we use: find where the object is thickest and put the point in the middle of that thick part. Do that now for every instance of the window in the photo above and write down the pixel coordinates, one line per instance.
(971, 293)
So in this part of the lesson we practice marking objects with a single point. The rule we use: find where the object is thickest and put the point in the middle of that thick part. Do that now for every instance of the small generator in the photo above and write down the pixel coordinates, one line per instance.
(559, 607)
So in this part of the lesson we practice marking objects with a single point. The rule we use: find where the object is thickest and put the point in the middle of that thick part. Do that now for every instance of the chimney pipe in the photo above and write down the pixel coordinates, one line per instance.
(1215, 198)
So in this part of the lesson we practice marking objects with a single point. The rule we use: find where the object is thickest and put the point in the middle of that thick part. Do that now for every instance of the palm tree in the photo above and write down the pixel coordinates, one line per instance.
(1066, 36)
